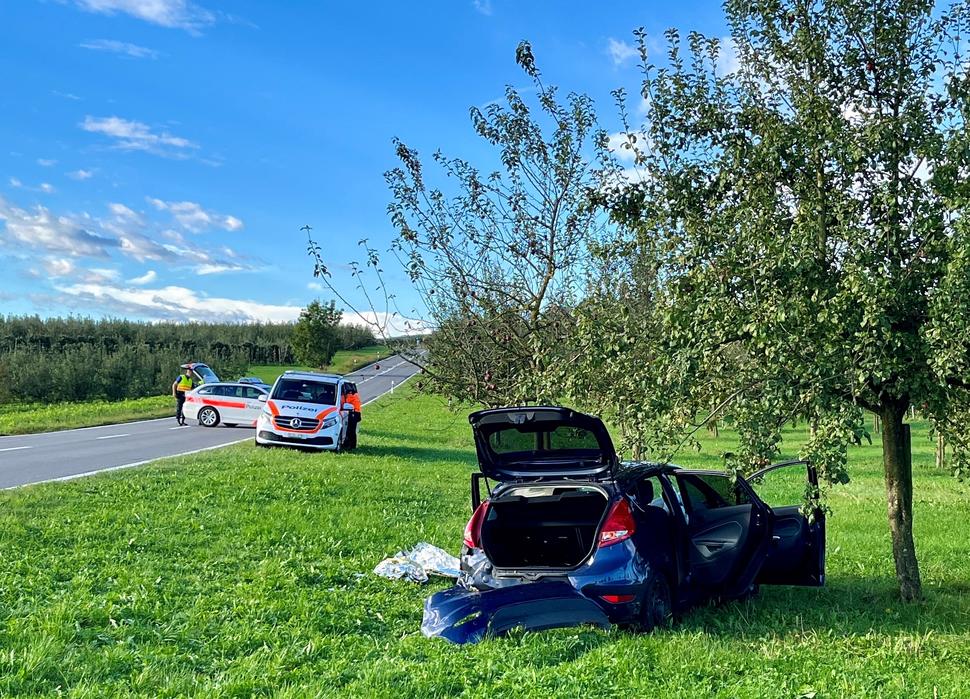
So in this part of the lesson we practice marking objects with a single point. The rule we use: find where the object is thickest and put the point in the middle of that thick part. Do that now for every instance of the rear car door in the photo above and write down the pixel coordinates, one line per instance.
(797, 552)
(728, 532)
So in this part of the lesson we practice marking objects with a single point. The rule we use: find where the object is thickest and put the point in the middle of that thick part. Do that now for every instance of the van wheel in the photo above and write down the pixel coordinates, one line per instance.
(208, 417)
(658, 610)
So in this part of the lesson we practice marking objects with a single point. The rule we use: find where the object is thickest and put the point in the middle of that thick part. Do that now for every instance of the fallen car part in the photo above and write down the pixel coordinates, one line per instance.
(461, 615)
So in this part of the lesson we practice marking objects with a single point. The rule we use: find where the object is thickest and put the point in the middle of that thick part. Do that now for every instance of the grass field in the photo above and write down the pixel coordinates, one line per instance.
(245, 572)
(26, 418)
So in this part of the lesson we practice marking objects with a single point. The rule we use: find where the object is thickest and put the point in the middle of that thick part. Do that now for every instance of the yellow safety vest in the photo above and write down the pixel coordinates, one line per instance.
(185, 383)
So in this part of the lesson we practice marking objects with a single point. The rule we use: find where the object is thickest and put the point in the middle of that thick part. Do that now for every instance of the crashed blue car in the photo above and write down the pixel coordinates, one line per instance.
(569, 535)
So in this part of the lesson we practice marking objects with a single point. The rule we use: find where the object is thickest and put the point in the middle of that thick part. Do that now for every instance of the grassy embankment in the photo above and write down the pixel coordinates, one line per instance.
(27, 418)
(247, 572)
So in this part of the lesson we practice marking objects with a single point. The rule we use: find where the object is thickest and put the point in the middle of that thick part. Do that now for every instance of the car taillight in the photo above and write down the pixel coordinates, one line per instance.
(619, 524)
(618, 599)
(473, 530)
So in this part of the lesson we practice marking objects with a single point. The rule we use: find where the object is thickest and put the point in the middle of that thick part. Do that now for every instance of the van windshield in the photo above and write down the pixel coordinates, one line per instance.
(302, 391)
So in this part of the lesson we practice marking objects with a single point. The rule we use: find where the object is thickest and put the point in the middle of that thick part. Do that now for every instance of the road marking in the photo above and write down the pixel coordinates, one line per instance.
(178, 427)
(14, 448)
(131, 465)
(383, 372)
(388, 392)
(81, 429)
(112, 436)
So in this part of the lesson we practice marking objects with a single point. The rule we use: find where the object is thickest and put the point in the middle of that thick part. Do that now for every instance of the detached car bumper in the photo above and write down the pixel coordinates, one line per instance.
(461, 615)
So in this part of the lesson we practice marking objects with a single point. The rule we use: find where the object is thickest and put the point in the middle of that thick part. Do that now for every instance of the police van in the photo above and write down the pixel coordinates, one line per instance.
(308, 410)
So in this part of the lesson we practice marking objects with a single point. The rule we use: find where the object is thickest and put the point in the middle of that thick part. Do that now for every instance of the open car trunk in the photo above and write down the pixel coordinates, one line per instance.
(543, 526)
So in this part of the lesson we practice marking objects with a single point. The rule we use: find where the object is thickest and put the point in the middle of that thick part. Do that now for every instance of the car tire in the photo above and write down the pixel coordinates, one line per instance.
(208, 417)
(657, 611)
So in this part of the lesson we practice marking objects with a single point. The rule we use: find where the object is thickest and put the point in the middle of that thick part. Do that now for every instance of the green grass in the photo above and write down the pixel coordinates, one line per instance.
(26, 418)
(245, 572)
(344, 362)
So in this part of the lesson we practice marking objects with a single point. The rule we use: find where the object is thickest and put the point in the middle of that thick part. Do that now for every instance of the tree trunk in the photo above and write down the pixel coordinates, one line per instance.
(898, 463)
(940, 450)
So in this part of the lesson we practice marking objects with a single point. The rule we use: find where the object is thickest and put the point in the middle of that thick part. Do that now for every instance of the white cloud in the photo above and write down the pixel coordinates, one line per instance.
(58, 266)
(315, 286)
(46, 162)
(146, 278)
(44, 187)
(387, 324)
(219, 268)
(192, 217)
(620, 51)
(123, 212)
(120, 47)
(619, 144)
(175, 14)
(134, 135)
(483, 7)
(175, 303)
(40, 229)
(728, 60)
(81, 174)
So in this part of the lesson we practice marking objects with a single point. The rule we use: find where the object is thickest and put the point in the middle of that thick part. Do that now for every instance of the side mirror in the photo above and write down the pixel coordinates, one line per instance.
(349, 406)
(262, 398)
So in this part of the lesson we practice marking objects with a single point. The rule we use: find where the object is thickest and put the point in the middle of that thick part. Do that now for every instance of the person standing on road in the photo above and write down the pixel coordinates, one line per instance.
(182, 384)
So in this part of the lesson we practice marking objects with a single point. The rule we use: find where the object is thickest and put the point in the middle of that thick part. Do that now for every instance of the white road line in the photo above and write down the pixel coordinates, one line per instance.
(112, 436)
(383, 372)
(81, 429)
(386, 393)
(14, 448)
(131, 465)
(178, 427)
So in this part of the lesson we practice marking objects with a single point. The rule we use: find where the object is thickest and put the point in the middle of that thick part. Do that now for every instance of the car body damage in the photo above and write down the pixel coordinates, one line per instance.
(568, 535)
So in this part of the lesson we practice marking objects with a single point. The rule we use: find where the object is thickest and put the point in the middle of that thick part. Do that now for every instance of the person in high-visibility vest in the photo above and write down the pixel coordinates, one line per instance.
(182, 384)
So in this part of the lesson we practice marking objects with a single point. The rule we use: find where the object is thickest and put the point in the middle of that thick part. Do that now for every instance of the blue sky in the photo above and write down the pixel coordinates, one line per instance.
(159, 157)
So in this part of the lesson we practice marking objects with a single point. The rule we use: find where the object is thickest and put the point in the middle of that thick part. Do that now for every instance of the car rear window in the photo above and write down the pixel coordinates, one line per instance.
(303, 391)
(525, 440)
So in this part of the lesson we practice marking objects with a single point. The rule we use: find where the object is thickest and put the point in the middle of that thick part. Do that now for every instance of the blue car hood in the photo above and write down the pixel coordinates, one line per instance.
(461, 615)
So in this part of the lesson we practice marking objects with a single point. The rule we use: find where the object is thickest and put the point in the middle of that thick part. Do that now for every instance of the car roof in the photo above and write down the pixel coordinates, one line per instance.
(310, 376)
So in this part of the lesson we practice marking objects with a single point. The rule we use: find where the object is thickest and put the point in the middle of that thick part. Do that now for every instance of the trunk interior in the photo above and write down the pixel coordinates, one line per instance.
(547, 526)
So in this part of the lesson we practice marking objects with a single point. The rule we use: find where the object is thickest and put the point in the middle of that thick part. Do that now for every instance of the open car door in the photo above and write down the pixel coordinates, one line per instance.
(797, 552)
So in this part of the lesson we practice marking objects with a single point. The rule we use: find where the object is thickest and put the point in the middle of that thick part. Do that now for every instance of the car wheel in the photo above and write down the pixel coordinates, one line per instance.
(658, 610)
(208, 417)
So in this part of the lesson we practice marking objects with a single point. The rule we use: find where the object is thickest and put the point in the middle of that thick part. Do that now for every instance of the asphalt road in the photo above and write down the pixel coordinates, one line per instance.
(52, 456)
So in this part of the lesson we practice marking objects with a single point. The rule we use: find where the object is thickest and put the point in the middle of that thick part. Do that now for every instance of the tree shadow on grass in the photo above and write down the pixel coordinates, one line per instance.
(846, 606)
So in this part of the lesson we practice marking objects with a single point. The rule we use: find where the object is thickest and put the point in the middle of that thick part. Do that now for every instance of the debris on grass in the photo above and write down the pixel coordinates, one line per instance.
(418, 563)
